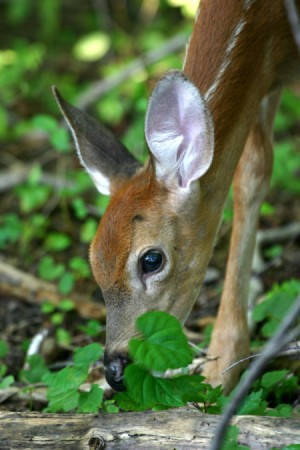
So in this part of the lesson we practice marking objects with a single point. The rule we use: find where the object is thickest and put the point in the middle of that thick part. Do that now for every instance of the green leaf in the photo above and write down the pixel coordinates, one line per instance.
(282, 410)
(63, 337)
(57, 242)
(110, 407)
(163, 345)
(37, 369)
(146, 391)
(275, 306)
(49, 270)
(92, 47)
(231, 440)
(63, 388)
(291, 447)
(45, 123)
(67, 378)
(60, 140)
(6, 382)
(80, 267)
(267, 209)
(62, 401)
(3, 370)
(47, 308)
(80, 208)
(88, 355)
(66, 304)
(274, 251)
(254, 404)
(90, 402)
(57, 318)
(88, 230)
(92, 328)
(3, 348)
(66, 283)
(271, 379)
(3, 122)
(11, 229)
(32, 198)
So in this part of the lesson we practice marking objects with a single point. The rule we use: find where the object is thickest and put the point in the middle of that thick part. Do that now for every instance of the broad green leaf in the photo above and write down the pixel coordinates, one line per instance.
(57, 318)
(36, 371)
(32, 198)
(146, 391)
(6, 382)
(92, 47)
(282, 410)
(63, 337)
(88, 355)
(231, 440)
(80, 267)
(66, 283)
(290, 447)
(275, 306)
(60, 140)
(90, 402)
(163, 345)
(69, 378)
(92, 328)
(45, 123)
(270, 379)
(254, 404)
(49, 270)
(62, 400)
(80, 208)
(57, 242)
(47, 308)
(88, 230)
(66, 304)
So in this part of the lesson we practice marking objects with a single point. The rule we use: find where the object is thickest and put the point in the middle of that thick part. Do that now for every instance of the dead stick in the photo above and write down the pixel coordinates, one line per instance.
(33, 290)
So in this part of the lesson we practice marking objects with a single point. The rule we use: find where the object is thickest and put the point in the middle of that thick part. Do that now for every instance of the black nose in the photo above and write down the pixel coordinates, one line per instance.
(114, 366)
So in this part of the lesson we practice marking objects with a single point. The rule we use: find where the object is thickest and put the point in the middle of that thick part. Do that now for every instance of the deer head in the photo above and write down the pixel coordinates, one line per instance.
(154, 241)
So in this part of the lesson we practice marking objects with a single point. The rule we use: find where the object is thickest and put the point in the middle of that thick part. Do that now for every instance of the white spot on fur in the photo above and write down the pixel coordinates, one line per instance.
(227, 59)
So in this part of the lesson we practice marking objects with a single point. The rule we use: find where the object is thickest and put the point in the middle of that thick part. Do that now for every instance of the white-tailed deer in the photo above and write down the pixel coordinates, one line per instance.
(205, 126)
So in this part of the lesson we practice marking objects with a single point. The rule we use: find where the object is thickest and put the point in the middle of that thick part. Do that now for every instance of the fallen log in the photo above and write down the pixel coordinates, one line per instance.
(28, 288)
(180, 429)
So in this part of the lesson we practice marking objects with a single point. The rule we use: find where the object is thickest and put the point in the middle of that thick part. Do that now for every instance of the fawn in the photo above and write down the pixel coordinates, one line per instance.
(205, 126)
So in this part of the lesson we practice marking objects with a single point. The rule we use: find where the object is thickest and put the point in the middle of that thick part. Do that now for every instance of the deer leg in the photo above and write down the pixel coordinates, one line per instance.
(230, 339)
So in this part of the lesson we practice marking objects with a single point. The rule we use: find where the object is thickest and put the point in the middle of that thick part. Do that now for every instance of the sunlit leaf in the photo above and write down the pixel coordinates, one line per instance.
(92, 47)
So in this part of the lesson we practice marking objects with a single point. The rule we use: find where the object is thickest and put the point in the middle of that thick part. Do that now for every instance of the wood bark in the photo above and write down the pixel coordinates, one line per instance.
(28, 288)
(183, 428)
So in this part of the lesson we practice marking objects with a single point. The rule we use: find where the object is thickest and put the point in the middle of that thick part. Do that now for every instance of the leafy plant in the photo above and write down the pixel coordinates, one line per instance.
(162, 346)
(277, 302)
(64, 392)
(57, 317)
(11, 229)
(5, 381)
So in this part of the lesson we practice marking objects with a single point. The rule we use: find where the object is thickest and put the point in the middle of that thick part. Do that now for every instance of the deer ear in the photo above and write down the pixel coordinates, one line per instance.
(179, 130)
(103, 156)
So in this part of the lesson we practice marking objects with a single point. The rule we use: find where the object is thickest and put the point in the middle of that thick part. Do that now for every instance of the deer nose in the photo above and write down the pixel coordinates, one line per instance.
(114, 366)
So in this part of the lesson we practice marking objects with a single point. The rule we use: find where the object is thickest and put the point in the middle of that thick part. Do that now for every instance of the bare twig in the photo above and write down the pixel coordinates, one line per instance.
(97, 89)
(276, 344)
(293, 17)
(12, 177)
(290, 231)
(33, 290)
(18, 173)
(292, 350)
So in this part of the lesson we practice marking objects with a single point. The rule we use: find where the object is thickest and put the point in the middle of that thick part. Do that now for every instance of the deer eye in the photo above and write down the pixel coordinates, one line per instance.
(151, 261)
